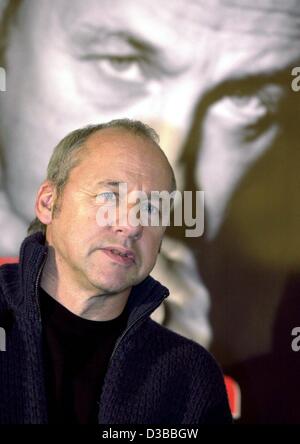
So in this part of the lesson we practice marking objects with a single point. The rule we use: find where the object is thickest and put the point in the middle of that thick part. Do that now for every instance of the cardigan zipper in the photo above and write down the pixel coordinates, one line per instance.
(145, 314)
(37, 282)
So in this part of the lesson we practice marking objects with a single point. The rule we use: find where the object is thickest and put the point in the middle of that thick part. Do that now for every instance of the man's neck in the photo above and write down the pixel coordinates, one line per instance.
(87, 303)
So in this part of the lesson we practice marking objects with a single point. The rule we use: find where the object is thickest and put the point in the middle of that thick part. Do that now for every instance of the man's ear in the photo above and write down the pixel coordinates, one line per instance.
(45, 202)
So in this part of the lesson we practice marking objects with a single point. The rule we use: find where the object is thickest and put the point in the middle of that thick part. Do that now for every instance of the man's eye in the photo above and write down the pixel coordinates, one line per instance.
(106, 197)
(243, 109)
(149, 208)
(249, 107)
(129, 69)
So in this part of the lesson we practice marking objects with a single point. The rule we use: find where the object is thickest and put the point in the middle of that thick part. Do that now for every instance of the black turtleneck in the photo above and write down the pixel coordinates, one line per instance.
(77, 353)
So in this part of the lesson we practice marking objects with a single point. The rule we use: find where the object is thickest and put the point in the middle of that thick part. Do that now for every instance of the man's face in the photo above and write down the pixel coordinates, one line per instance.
(89, 253)
(206, 75)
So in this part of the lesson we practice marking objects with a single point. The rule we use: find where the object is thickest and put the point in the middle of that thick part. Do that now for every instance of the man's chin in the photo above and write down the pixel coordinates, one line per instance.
(114, 283)
(113, 287)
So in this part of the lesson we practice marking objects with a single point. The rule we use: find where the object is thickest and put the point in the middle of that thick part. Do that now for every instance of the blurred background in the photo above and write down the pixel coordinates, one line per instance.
(215, 80)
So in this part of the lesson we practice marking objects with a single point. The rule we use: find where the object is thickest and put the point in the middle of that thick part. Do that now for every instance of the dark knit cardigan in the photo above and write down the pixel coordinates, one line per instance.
(155, 376)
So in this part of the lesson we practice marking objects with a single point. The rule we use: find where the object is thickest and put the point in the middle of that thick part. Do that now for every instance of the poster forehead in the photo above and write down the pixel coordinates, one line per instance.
(190, 17)
(187, 19)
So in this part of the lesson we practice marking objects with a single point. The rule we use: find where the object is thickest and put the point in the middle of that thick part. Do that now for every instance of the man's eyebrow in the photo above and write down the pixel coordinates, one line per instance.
(115, 184)
(251, 82)
(138, 43)
(110, 183)
(89, 34)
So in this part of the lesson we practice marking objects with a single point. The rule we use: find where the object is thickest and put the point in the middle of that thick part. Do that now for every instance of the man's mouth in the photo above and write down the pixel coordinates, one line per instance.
(120, 255)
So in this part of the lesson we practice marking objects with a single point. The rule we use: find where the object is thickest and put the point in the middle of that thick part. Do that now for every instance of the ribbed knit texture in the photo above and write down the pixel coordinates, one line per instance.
(155, 375)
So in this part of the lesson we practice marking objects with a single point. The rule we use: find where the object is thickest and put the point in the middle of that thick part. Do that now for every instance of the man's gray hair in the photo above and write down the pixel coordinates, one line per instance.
(65, 156)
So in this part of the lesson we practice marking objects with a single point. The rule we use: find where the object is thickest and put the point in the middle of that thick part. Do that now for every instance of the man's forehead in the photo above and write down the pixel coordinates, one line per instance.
(177, 21)
(186, 18)
(121, 153)
(121, 146)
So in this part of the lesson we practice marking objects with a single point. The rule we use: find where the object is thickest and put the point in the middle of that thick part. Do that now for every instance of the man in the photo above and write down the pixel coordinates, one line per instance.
(85, 289)
(214, 79)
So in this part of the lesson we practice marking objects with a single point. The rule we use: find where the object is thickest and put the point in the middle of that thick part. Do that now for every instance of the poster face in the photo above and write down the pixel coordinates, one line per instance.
(220, 83)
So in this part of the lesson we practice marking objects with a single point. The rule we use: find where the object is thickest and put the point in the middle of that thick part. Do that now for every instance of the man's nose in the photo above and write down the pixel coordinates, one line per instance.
(128, 231)
(175, 113)
(174, 117)
(126, 227)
